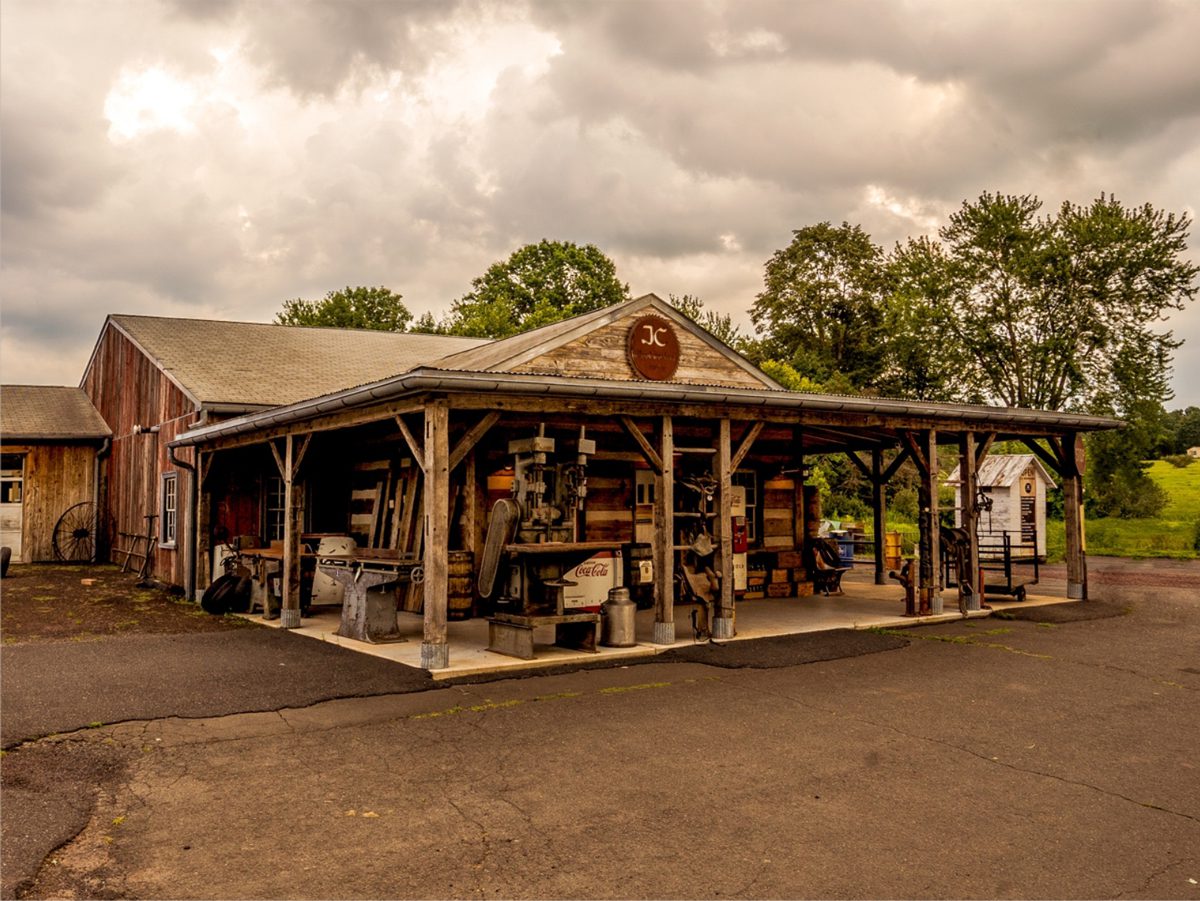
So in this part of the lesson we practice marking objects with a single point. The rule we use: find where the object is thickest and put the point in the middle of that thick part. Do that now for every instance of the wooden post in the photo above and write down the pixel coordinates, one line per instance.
(928, 522)
(879, 508)
(203, 522)
(293, 525)
(664, 538)
(722, 626)
(435, 650)
(1073, 515)
(968, 472)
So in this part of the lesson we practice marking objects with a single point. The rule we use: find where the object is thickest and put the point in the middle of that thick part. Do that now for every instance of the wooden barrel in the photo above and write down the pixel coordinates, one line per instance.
(892, 556)
(460, 602)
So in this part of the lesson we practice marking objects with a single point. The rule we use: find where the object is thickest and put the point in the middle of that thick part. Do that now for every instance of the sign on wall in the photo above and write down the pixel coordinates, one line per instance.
(653, 348)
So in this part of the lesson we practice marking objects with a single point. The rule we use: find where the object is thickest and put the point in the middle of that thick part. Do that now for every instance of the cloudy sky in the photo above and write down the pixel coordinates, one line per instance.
(215, 158)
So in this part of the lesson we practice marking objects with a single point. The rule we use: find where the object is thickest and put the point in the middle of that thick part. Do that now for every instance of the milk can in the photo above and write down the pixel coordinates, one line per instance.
(617, 620)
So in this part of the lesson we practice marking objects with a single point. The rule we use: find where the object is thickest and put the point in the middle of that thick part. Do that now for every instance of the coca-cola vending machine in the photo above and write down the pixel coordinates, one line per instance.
(741, 543)
(593, 579)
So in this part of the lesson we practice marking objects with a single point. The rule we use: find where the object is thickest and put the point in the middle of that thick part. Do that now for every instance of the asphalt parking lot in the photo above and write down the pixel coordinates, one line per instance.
(1049, 756)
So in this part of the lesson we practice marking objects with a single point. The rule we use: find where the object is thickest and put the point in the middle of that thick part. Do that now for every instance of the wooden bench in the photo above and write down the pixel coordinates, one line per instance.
(511, 634)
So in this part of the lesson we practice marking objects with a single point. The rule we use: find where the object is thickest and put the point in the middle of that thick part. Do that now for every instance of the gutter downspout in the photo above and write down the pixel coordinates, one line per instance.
(103, 451)
(189, 576)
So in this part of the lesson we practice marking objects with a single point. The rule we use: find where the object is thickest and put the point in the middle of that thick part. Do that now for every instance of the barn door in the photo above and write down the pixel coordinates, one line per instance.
(12, 493)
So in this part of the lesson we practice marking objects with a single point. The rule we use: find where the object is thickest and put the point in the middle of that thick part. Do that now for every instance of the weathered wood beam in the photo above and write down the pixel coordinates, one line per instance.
(723, 626)
(894, 466)
(343, 420)
(912, 441)
(664, 538)
(414, 445)
(927, 520)
(747, 442)
(435, 650)
(283, 468)
(471, 438)
(643, 444)
(879, 512)
(300, 452)
(983, 448)
(293, 525)
(1050, 458)
(859, 464)
(968, 458)
(1073, 516)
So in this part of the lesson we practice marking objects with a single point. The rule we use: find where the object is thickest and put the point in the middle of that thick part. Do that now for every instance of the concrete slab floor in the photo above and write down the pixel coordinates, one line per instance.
(863, 605)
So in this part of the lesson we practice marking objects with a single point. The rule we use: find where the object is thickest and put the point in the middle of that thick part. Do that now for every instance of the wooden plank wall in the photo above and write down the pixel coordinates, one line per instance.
(608, 509)
(602, 354)
(129, 389)
(57, 476)
(779, 514)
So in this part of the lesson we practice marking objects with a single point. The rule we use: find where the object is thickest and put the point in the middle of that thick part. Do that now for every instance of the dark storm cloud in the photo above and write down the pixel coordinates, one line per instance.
(411, 144)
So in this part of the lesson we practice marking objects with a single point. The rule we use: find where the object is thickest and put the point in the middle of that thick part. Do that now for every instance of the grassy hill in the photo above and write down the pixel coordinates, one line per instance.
(1176, 533)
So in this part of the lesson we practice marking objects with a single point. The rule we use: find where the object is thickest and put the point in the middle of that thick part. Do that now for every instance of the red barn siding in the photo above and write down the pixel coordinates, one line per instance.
(129, 389)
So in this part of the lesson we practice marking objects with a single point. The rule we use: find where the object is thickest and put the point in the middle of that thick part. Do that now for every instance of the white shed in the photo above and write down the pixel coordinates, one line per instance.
(1016, 484)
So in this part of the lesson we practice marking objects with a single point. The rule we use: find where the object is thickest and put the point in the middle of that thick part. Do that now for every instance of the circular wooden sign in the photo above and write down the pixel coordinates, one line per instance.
(653, 348)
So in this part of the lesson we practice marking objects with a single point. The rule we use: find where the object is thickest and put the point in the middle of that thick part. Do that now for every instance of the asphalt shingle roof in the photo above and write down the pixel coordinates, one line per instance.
(46, 412)
(265, 364)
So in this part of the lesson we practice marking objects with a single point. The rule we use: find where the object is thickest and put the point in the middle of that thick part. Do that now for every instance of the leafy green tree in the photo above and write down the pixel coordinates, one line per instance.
(719, 325)
(1063, 312)
(368, 308)
(821, 307)
(1042, 309)
(539, 284)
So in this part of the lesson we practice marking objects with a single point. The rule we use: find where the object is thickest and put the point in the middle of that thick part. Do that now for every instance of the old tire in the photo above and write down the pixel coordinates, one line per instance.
(222, 595)
(5, 559)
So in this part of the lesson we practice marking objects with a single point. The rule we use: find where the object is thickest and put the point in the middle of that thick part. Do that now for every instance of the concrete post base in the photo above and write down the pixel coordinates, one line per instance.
(722, 627)
(974, 602)
(664, 633)
(936, 604)
(1075, 591)
(289, 618)
(435, 656)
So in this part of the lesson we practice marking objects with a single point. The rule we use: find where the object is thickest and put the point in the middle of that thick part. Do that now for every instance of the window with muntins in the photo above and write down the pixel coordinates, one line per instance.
(168, 517)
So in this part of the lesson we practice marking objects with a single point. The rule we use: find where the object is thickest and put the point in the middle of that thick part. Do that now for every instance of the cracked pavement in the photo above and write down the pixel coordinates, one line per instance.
(985, 758)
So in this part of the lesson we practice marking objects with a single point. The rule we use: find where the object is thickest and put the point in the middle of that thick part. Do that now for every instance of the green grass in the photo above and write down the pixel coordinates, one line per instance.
(1175, 533)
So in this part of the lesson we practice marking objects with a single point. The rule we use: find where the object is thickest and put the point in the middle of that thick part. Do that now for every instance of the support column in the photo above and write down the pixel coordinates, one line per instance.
(435, 650)
(203, 523)
(664, 538)
(879, 508)
(930, 541)
(969, 502)
(723, 626)
(293, 525)
(1073, 467)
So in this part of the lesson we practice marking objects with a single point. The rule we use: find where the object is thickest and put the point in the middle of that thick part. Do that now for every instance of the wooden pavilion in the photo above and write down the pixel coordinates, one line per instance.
(651, 404)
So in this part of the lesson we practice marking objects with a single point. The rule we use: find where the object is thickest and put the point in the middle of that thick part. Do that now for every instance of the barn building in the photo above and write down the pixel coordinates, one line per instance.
(51, 443)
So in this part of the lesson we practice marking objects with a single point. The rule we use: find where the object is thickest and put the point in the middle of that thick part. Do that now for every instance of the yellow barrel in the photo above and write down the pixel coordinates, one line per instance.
(892, 556)
(460, 601)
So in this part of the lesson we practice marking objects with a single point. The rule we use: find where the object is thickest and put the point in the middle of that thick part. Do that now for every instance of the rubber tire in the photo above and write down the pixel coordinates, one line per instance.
(1020, 595)
(220, 595)
(5, 559)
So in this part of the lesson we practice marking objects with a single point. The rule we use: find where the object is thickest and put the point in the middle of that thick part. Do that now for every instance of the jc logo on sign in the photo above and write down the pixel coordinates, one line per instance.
(652, 338)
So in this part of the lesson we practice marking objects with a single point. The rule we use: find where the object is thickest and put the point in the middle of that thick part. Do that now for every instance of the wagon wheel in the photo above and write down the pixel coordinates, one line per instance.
(80, 533)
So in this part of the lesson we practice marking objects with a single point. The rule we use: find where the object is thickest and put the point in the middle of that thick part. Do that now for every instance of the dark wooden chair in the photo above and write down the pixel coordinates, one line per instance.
(825, 565)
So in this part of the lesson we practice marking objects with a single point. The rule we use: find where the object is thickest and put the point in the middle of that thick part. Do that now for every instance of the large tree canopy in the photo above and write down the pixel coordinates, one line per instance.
(539, 284)
(1047, 312)
(371, 308)
(822, 304)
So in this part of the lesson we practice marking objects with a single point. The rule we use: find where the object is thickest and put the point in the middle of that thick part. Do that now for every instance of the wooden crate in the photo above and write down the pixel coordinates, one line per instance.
(780, 590)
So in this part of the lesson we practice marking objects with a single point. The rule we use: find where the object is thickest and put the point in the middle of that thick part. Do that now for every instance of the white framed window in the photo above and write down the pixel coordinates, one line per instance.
(274, 508)
(168, 514)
